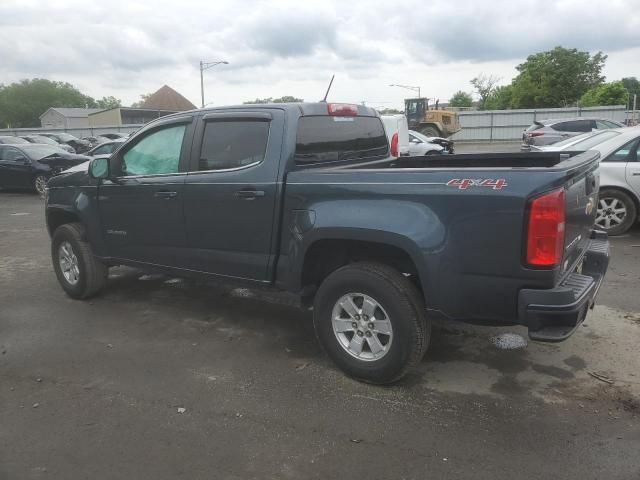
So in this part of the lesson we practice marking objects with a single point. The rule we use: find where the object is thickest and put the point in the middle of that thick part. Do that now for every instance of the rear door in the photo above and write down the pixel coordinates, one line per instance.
(231, 192)
(141, 208)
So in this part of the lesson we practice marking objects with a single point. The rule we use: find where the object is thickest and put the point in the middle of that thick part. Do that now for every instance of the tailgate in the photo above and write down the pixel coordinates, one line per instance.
(581, 199)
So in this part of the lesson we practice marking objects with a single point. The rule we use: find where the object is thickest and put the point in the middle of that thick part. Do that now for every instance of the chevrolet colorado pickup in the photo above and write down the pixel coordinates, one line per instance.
(306, 198)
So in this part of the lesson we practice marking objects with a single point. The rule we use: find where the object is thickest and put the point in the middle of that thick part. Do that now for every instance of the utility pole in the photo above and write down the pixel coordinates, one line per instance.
(408, 87)
(204, 66)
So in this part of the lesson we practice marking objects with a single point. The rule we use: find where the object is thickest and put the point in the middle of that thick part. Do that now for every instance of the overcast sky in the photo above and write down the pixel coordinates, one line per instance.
(127, 48)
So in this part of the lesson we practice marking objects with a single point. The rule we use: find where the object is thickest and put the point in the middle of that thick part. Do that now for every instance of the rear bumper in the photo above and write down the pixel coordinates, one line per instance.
(553, 315)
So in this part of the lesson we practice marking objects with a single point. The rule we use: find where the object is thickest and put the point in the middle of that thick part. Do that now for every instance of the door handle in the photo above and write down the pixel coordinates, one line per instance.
(165, 195)
(249, 194)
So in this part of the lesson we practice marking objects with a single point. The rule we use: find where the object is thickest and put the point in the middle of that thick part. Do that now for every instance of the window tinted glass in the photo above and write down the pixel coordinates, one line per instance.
(10, 154)
(573, 126)
(103, 149)
(157, 153)
(626, 153)
(331, 139)
(13, 140)
(233, 144)
(603, 125)
(610, 124)
(42, 139)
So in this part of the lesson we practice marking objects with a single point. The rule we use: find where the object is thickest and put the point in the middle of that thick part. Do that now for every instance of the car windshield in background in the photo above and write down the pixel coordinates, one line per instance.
(334, 138)
(594, 140)
(42, 139)
(38, 152)
(13, 140)
(576, 139)
(65, 137)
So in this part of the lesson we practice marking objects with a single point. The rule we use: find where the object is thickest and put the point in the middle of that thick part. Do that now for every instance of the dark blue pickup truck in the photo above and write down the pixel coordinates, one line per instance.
(305, 198)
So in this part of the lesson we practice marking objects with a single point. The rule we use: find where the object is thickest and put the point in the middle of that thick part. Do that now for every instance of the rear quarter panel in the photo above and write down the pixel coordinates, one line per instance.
(466, 243)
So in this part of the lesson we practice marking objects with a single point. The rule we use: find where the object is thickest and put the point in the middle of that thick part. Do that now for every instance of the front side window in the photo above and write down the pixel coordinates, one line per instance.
(156, 154)
(10, 154)
(233, 144)
(626, 153)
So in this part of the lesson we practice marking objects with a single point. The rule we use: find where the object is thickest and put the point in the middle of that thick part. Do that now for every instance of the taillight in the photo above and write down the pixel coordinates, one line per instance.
(535, 134)
(342, 109)
(394, 145)
(545, 231)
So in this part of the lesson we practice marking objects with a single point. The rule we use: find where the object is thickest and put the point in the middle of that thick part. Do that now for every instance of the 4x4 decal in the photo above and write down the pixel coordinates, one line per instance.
(464, 183)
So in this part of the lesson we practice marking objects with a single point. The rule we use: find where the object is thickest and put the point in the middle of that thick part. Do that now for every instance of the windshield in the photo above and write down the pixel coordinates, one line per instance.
(41, 139)
(38, 152)
(576, 139)
(14, 140)
(594, 140)
(65, 137)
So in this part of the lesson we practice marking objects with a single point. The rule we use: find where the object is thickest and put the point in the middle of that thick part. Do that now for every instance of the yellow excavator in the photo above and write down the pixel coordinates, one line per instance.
(431, 122)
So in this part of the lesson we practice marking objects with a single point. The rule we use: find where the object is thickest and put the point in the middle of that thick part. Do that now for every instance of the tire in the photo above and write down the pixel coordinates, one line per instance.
(40, 184)
(399, 304)
(85, 275)
(430, 131)
(616, 212)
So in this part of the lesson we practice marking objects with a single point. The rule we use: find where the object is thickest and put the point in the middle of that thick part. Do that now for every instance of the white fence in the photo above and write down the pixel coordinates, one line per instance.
(76, 131)
(477, 126)
(507, 125)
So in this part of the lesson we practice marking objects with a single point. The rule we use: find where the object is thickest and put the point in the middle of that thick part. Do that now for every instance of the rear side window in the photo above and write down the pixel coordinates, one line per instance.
(325, 139)
(233, 144)
(626, 153)
(573, 126)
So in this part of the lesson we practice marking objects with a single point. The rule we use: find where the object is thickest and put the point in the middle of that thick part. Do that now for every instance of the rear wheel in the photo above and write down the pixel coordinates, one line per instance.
(430, 131)
(80, 274)
(616, 212)
(371, 321)
(40, 184)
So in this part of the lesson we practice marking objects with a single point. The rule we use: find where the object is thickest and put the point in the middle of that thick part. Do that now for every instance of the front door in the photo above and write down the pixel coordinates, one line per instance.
(15, 168)
(633, 168)
(141, 206)
(231, 192)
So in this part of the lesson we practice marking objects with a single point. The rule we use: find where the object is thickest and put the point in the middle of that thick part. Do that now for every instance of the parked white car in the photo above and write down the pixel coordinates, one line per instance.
(579, 143)
(619, 198)
(397, 130)
(420, 144)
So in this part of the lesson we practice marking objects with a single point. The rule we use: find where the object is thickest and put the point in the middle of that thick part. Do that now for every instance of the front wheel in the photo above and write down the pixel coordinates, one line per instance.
(371, 321)
(40, 184)
(616, 212)
(80, 274)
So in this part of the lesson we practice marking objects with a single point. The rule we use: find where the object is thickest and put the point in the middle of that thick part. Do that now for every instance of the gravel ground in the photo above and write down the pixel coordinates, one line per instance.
(163, 379)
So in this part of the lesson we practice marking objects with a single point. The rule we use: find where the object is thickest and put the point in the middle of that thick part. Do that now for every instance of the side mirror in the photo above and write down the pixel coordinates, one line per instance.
(99, 168)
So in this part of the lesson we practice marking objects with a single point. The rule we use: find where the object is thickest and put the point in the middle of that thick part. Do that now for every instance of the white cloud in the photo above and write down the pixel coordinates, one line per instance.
(129, 47)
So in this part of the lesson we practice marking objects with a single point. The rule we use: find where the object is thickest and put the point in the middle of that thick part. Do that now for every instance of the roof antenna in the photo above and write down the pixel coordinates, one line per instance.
(324, 100)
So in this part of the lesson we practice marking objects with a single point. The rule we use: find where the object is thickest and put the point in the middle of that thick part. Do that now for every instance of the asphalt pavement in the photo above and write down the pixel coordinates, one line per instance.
(159, 378)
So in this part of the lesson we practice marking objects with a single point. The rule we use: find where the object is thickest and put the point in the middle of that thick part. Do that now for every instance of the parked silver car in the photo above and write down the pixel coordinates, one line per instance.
(546, 132)
(619, 197)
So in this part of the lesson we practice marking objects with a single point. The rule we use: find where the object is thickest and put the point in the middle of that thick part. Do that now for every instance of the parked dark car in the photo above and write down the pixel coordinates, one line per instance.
(79, 145)
(106, 148)
(10, 140)
(547, 132)
(31, 165)
(115, 135)
(306, 198)
(47, 141)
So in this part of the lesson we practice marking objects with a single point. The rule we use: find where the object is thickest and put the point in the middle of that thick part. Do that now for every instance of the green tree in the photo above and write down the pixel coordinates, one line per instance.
(612, 93)
(143, 98)
(500, 98)
(22, 103)
(555, 78)
(285, 99)
(461, 99)
(108, 102)
(389, 111)
(484, 85)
